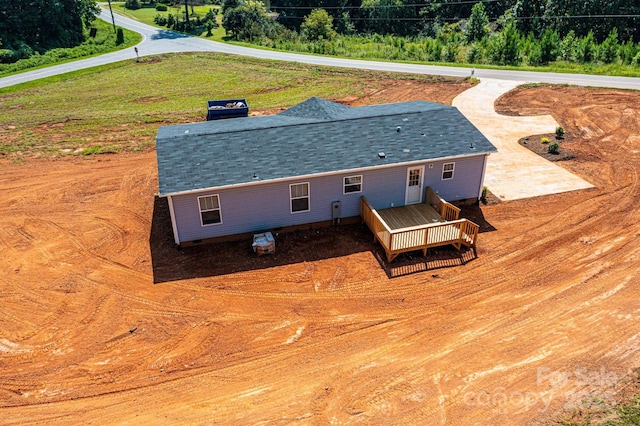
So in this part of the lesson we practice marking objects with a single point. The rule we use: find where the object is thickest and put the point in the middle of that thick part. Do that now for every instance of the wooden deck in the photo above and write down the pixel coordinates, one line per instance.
(411, 215)
(419, 226)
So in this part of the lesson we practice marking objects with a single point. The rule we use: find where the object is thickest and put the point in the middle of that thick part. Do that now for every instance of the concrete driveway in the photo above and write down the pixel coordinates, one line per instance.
(514, 172)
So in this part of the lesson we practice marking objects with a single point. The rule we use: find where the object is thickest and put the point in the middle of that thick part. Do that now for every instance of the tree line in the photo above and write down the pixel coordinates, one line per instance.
(413, 17)
(500, 32)
(40, 25)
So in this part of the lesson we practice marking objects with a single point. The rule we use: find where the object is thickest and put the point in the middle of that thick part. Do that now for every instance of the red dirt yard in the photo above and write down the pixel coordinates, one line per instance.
(102, 321)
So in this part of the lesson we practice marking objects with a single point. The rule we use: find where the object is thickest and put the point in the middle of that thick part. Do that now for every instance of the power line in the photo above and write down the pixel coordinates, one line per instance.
(517, 18)
(389, 6)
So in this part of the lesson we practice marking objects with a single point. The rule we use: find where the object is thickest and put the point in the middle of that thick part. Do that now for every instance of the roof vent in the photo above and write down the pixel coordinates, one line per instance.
(398, 129)
(255, 177)
(382, 155)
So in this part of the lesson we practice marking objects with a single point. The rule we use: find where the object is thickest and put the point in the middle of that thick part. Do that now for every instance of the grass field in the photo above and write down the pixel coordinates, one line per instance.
(146, 15)
(119, 107)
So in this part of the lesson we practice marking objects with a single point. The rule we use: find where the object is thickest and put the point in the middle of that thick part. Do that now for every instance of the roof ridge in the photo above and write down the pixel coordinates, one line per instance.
(316, 107)
(311, 121)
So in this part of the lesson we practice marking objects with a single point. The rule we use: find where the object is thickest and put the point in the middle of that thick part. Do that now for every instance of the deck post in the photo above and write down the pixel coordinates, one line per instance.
(426, 242)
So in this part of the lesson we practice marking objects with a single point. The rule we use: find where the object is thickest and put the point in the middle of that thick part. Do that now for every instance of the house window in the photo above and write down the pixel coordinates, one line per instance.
(352, 184)
(209, 210)
(299, 197)
(447, 170)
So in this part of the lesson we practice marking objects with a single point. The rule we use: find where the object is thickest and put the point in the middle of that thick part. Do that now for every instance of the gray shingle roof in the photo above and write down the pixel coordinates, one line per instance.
(315, 136)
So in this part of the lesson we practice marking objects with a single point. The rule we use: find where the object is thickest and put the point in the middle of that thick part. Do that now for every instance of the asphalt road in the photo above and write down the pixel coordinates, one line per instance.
(156, 41)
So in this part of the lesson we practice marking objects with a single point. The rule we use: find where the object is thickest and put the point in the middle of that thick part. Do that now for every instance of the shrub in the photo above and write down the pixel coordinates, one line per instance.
(132, 4)
(449, 53)
(483, 197)
(160, 20)
(554, 148)
(161, 8)
(119, 37)
(544, 140)
(474, 54)
(7, 56)
(24, 51)
(608, 50)
(211, 15)
(209, 27)
(559, 132)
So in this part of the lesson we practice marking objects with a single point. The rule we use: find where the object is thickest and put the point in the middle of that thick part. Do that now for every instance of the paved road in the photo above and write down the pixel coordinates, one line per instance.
(157, 41)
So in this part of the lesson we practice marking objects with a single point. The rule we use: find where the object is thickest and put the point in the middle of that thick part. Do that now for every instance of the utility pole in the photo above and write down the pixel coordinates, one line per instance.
(112, 18)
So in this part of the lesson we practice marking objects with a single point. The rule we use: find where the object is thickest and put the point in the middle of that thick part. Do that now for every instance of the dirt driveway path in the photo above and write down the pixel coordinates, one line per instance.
(514, 172)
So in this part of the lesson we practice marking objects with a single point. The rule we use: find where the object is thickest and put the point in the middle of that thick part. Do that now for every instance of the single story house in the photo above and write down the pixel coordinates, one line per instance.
(312, 163)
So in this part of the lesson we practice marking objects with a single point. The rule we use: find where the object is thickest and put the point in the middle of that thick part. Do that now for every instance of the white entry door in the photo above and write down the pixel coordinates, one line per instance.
(415, 176)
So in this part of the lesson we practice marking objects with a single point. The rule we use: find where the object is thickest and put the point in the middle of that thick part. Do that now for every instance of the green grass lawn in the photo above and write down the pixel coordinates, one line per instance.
(148, 13)
(119, 107)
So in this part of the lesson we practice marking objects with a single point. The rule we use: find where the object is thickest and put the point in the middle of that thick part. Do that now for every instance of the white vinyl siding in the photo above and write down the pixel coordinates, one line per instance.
(447, 170)
(352, 184)
(210, 213)
(299, 193)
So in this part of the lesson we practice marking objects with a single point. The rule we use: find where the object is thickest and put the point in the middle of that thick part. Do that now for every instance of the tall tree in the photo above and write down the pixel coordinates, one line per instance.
(477, 25)
(248, 21)
(503, 45)
(529, 16)
(583, 16)
(45, 24)
(318, 25)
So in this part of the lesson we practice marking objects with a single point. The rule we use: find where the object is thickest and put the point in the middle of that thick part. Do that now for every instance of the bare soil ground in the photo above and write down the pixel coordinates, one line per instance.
(103, 322)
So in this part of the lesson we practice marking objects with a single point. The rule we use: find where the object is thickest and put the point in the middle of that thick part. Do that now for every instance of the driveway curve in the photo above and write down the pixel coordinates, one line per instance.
(514, 172)
(156, 41)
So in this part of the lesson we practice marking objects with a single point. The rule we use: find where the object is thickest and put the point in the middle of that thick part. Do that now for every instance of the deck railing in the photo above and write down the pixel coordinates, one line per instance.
(447, 210)
(421, 237)
(381, 231)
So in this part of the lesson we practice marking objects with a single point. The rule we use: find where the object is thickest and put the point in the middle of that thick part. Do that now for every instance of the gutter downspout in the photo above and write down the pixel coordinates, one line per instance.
(484, 169)
(173, 221)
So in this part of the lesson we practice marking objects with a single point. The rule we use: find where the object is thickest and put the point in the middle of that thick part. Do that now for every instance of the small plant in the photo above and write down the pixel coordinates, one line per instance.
(544, 140)
(559, 132)
(554, 148)
(483, 197)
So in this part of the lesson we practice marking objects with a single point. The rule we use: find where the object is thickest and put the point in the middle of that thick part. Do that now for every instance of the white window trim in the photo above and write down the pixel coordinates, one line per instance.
(200, 211)
(453, 170)
(344, 184)
(308, 198)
